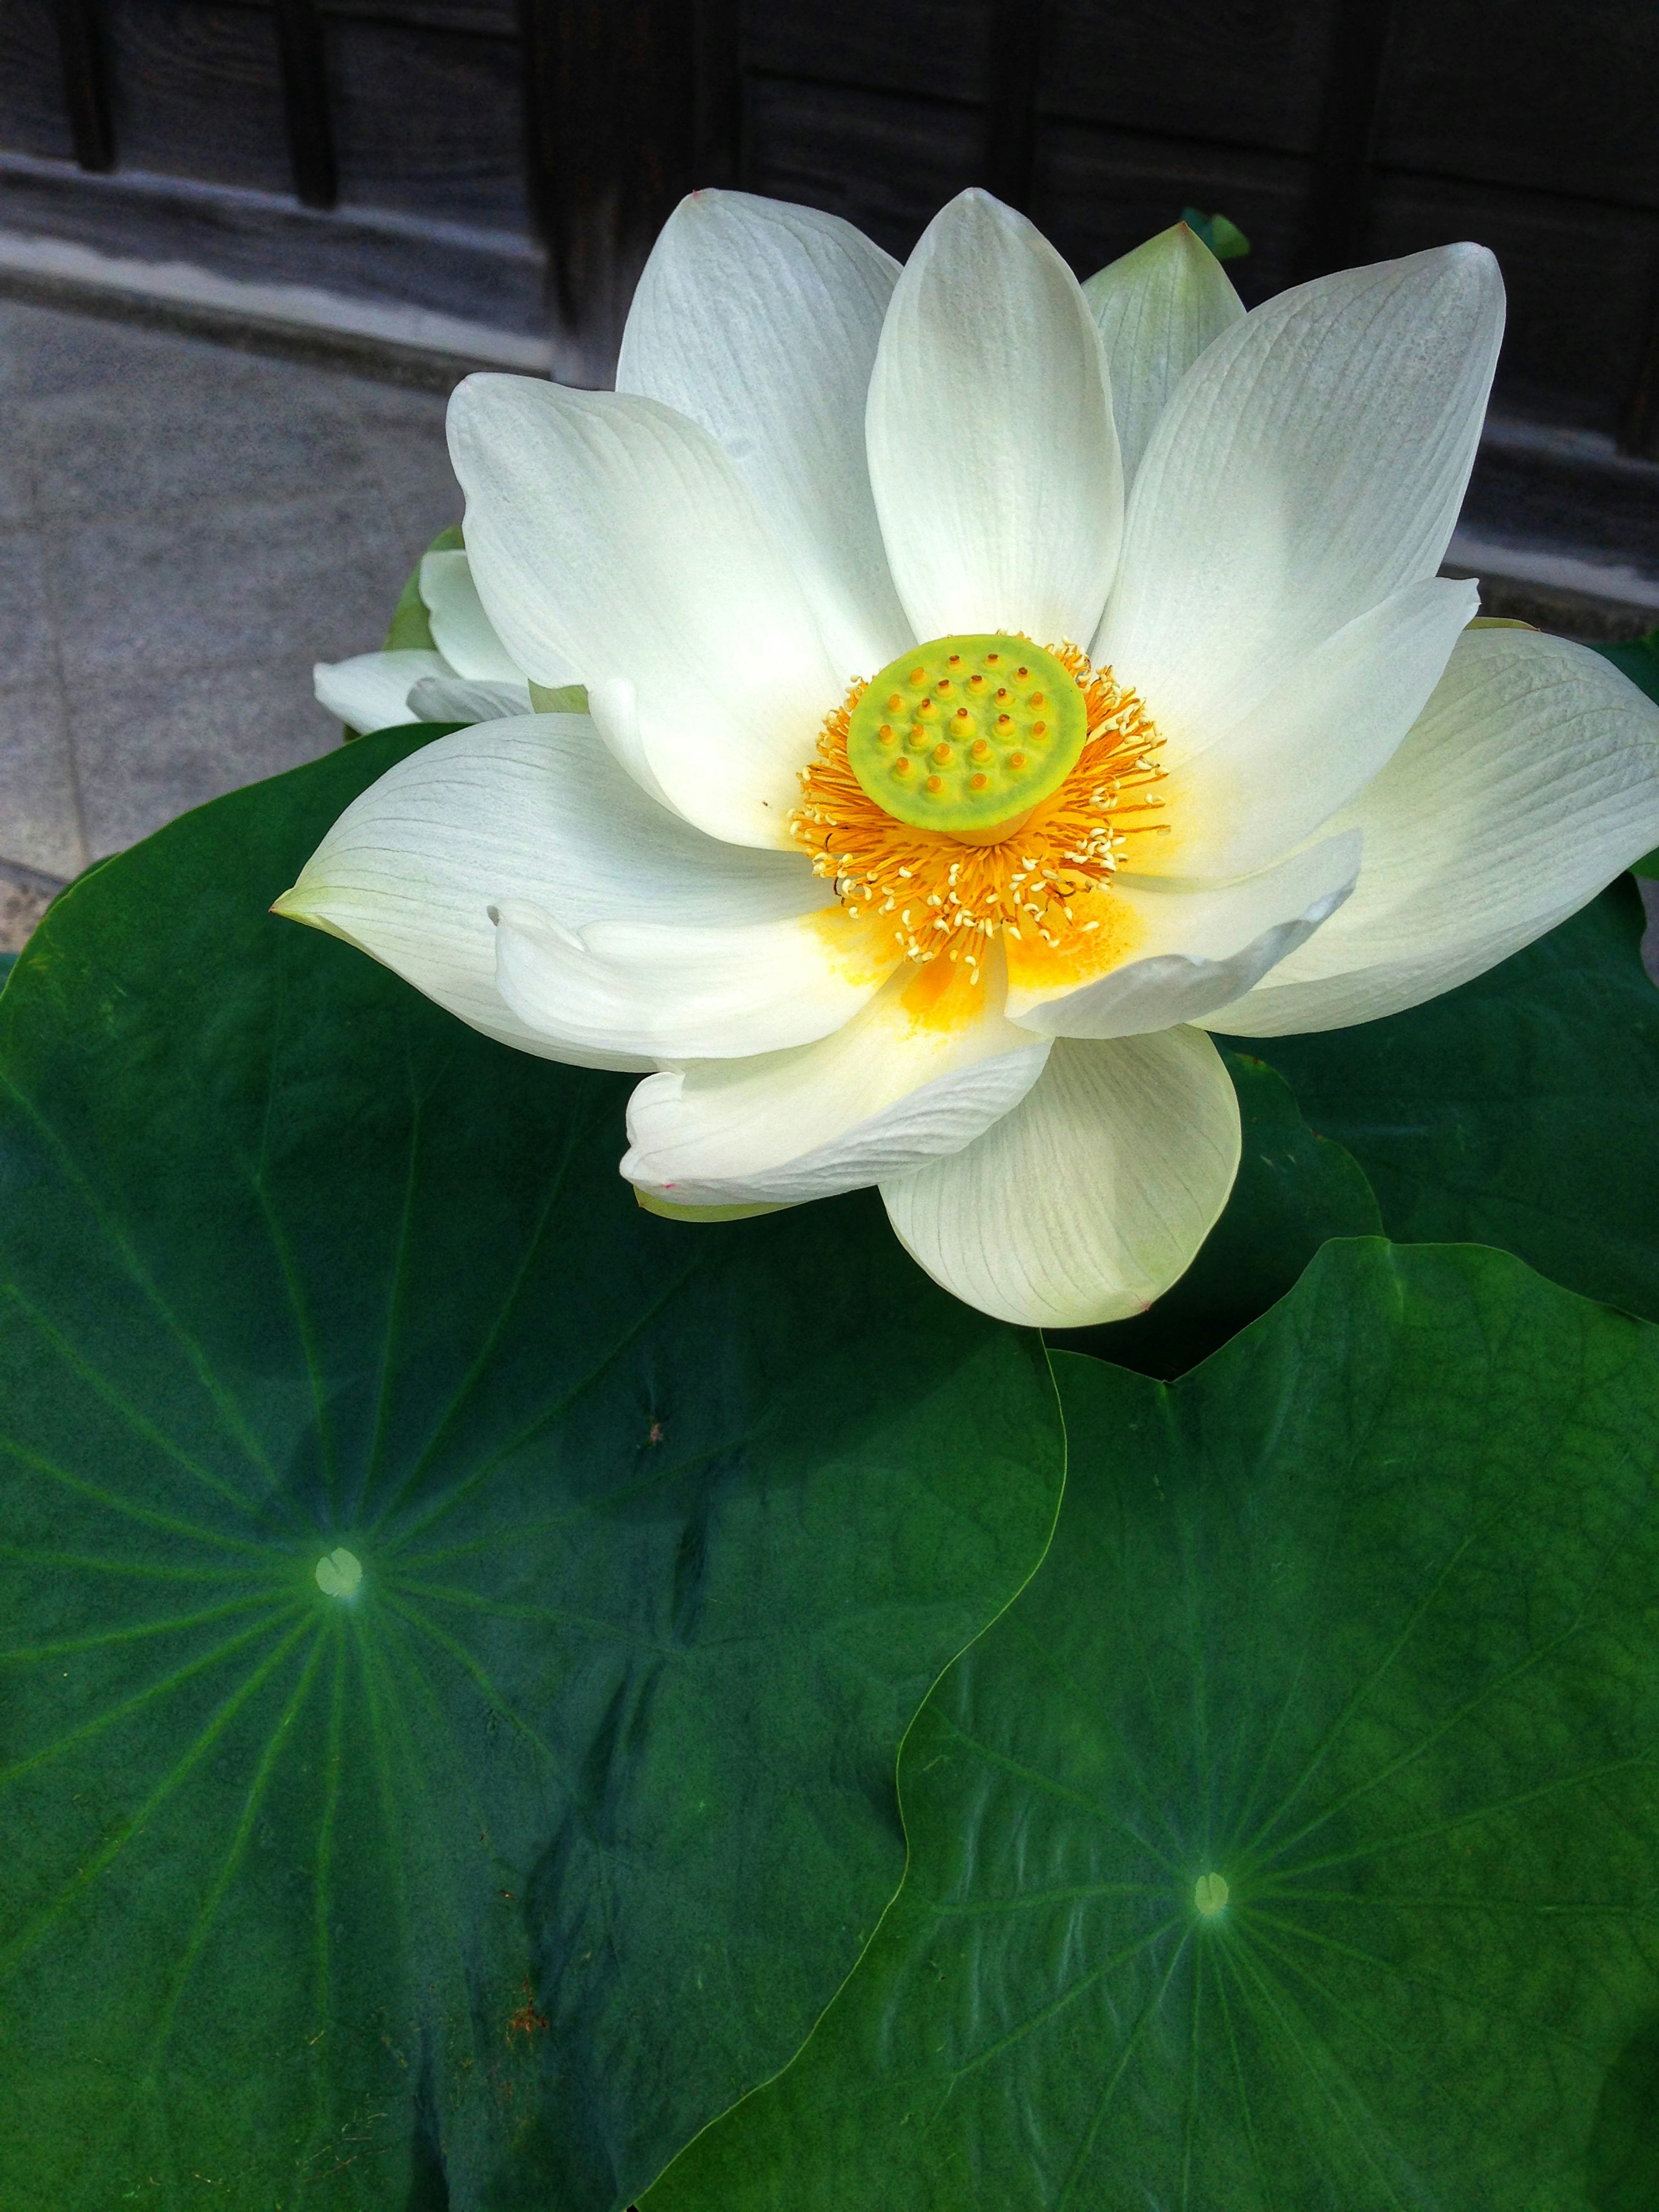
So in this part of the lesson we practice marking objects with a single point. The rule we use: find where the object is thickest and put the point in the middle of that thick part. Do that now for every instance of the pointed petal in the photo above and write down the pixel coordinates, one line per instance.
(371, 691)
(461, 630)
(1531, 779)
(1328, 725)
(760, 320)
(1197, 947)
(533, 810)
(467, 699)
(881, 1096)
(991, 450)
(1157, 310)
(1311, 463)
(671, 991)
(612, 535)
(1085, 1202)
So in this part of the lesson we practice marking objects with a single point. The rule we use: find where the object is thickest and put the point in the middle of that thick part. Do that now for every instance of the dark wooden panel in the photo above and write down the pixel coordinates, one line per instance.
(491, 18)
(33, 118)
(198, 92)
(1579, 276)
(1562, 97)
(939, 48)
(429, 121)
(1592, 503)
(1243, 72)
(1101, 192)
(485, 277)
(886, 163)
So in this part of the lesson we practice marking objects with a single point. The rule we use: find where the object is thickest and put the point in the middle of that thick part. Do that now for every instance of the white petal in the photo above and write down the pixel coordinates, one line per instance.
(613, 706)
(760, 320)
(1311, 463)
(1198, 946)
(878, 1097)
(1531, 779)
(1088, 1201)
(1317, 738)
(1157, 310)
(678, 992)
(991, 450)
(467, 699)
(609, 535)
(534, 810)
(371, 691)
(461, 630)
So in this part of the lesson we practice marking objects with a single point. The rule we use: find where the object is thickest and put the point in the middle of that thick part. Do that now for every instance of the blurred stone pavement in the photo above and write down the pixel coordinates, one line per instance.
(184, 529)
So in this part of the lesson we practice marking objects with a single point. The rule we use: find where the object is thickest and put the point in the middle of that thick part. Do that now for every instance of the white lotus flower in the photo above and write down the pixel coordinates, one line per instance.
(870, 870)
(471, 677)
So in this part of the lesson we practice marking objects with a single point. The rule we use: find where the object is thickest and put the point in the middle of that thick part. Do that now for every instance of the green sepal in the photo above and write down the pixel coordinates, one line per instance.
(666, 1212)
(563, 699)
(1224, 237)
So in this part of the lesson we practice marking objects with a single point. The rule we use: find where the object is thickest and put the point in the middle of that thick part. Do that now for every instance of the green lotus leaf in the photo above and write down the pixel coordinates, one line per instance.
(1517, 1111)
(1291, 1841)
(1294, 1190)
(458, 1627)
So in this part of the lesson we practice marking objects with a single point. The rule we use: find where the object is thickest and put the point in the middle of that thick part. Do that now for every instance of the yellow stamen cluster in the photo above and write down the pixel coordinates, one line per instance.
(948, 896)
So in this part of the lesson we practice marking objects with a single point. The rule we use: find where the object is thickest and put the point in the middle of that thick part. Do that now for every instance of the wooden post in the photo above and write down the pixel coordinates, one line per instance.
(612, 121)
(1014, 55)
(86, 82)
(306, 108)
(1339, 198)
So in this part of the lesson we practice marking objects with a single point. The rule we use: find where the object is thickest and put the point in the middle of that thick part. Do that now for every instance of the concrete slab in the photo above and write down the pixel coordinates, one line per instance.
(184, 529)
(146, 748)
(39, 804)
